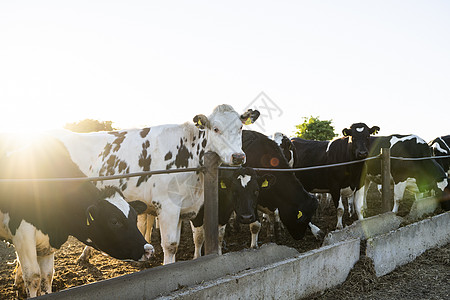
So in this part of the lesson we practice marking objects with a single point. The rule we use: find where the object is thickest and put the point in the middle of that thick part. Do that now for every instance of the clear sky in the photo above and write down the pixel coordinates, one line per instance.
(142, 63)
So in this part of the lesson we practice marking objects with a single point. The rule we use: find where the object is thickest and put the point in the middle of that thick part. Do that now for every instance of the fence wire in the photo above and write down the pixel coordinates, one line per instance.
(103, 178)
(202, 168)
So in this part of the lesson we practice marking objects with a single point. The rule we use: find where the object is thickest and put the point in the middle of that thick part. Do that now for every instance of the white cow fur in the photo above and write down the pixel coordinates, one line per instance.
(35, 253)
(170, 196)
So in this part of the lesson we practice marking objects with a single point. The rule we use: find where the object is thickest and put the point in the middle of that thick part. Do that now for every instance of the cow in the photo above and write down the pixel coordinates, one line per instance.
(441, 150)
(278, 191)
(441, 147)
(170, 197)
(295, 205)
(354, 145)
(38, 216)
(238, 192)
(427, 174)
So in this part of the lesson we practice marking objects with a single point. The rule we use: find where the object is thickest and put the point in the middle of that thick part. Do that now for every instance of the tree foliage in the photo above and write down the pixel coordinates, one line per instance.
(314, 129)
(89, 125)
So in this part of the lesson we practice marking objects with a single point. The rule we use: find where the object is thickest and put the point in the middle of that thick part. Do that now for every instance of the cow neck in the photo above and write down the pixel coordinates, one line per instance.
(77, 224)
(199, 143)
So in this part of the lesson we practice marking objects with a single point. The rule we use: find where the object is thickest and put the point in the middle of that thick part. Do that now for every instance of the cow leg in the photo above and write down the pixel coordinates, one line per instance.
(359, 202)
(340, 214)
(349, 195)
(399, 191)
(25, 243)
(142, 224)
(221, 236)
(46, 265)
(145, 226)
(198, 234)
(19, 284)
(277, 223)
(85, 255)
(255, 227)
(151, 219)
(170, 228)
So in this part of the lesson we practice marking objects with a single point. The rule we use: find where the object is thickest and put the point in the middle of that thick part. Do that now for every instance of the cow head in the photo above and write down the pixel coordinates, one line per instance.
(359, 134)
(223, 130)
(298, 215)
(243, 187)
(287, 147)
(111, 226)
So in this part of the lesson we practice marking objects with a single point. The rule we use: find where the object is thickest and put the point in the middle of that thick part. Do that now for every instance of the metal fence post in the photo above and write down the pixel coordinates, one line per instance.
(211, 203)
(386, 193)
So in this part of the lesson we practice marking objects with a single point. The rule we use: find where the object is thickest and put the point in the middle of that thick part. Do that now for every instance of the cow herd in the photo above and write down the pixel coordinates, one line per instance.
(37, 214)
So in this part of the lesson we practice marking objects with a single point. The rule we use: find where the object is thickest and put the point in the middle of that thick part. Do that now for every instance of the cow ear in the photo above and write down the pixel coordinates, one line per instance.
(201, 121)
(374, 130)
(91, 214)
(139, 206)
(346, 132)
(266, 181)
(249, 117)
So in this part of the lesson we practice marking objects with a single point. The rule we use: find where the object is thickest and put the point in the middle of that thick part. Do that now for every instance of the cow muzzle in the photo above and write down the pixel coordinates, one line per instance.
(149, 251)
(238, 158)
(362, 154)
(246, 219)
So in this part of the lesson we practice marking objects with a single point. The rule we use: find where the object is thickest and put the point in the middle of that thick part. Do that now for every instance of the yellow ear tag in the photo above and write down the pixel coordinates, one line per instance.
(300, 214)
(87, 222)
(223, 185)
(248, 121)
(265, 184)
(90, 216)
(199, 122)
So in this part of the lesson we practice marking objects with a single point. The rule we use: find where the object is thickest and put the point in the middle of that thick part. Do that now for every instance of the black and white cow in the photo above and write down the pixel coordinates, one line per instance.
(426, 174)
(238, 192)
(295, 205)
(441, 147)
(39, 216)
(170, 197)
(337, 180)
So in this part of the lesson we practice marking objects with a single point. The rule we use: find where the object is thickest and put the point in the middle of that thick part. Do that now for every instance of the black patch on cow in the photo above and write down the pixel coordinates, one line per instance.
(122, 166)
(182, 157)
(106, 151)
(200, 156)
(108, 168)
(144, 132)
(168, 156)
(120, 137)
(204, 143)
(145, 160)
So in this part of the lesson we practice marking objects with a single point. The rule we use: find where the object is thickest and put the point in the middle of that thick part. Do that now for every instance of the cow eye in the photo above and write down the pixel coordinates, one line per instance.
(115, 222)
(216, 130)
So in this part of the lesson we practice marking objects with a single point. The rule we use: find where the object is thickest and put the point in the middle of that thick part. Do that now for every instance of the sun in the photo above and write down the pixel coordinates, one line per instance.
(28, 122)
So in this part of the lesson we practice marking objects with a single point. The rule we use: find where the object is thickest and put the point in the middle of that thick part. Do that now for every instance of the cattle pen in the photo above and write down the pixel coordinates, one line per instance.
(279, 258)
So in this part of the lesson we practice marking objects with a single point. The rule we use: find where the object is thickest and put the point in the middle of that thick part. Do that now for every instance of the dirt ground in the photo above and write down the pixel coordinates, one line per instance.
(430, 274)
